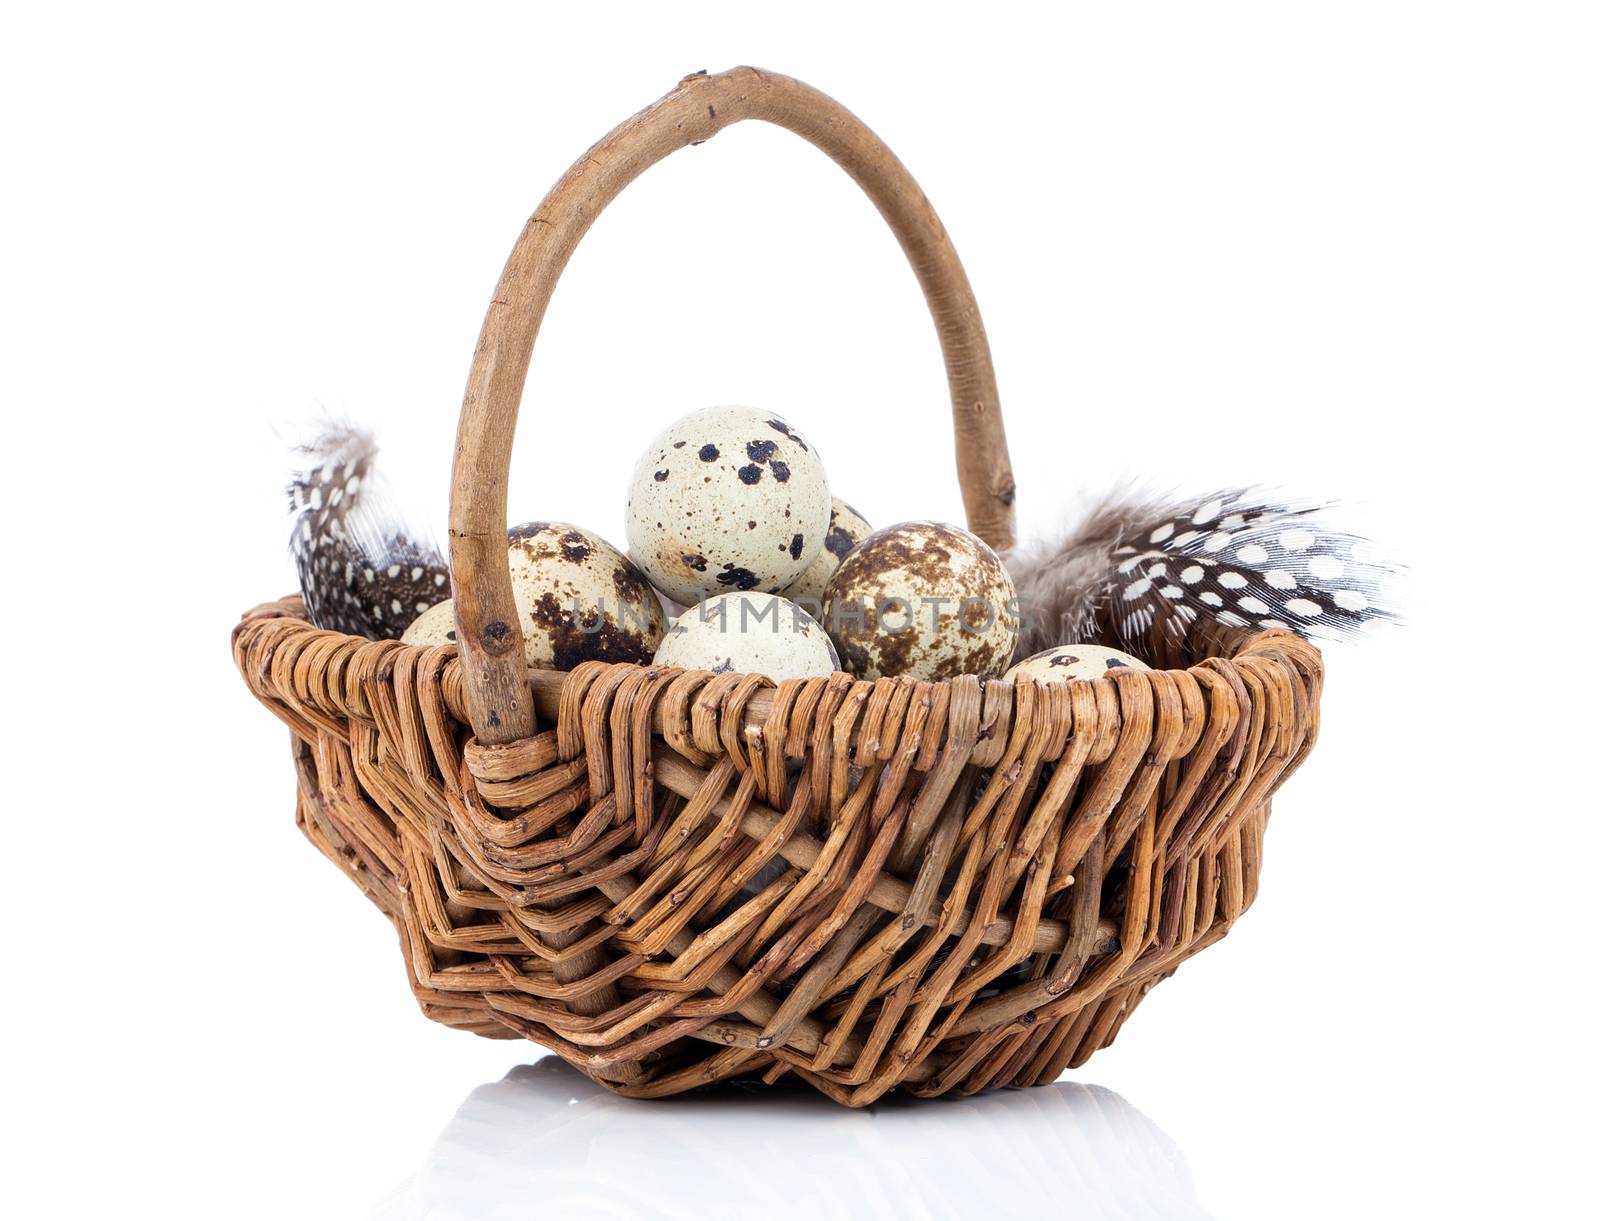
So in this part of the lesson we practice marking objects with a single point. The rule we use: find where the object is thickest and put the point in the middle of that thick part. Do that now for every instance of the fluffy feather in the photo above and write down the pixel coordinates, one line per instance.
(363, 571)
(1144, 575)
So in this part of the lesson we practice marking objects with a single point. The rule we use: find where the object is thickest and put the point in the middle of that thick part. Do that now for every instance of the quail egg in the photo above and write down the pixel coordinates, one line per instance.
(727, 499)
(578, 598)
(1069, 661)
(846, 528)
(925, 599)
(751, 633)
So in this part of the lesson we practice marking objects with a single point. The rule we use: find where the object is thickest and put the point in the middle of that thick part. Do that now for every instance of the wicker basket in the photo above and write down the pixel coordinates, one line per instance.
(981, 881)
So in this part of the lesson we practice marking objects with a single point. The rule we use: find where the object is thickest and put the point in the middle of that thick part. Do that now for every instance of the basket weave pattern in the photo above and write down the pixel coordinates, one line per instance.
(864, 885)
(981, 881)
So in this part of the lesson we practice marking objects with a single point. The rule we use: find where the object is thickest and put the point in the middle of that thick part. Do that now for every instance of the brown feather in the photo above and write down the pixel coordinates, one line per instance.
(1062, 586)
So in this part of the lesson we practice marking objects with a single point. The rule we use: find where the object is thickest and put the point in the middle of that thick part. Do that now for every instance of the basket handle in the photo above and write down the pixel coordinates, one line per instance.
(487, 629)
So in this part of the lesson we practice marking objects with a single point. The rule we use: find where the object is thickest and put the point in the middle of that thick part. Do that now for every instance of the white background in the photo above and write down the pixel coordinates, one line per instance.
(1350, 249)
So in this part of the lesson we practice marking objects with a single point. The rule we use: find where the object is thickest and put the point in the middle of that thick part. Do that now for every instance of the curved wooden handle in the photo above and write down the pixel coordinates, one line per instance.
(487, 628)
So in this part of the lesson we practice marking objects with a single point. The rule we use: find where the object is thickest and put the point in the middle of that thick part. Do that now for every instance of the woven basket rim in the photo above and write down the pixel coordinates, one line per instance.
(1091, 834)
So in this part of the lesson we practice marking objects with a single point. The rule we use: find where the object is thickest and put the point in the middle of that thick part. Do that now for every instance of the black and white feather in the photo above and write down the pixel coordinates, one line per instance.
(1143, 575)
(363, 571)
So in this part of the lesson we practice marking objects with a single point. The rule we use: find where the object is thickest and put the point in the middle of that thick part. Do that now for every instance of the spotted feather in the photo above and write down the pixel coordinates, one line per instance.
(362, 570)
(1144, 575)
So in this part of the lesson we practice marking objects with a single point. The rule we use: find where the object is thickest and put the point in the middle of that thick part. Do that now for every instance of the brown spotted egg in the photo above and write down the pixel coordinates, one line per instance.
(846, 528)
(728, 498)
(1069, 661)
(924, 599)
(749, 633)
(578, 598)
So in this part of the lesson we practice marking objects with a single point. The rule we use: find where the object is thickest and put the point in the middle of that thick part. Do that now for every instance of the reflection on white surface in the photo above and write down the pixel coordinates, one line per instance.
(546, 1142)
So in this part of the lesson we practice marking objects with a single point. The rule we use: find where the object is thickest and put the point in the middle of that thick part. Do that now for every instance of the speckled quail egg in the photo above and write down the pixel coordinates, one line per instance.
(670, 608)
(751, 633)
(578, 597)
(846, 528)
(728, 498)
(924, 599)
(1068, 661)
